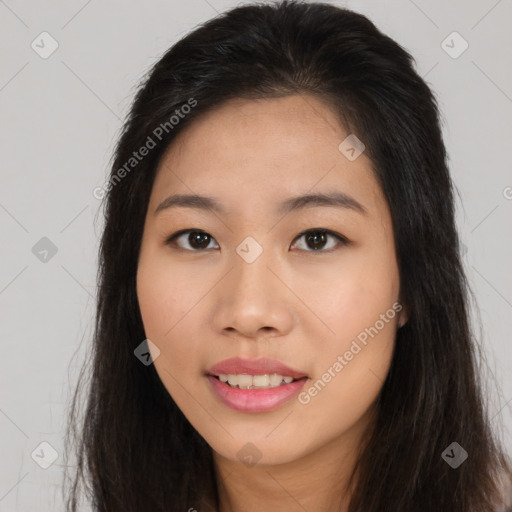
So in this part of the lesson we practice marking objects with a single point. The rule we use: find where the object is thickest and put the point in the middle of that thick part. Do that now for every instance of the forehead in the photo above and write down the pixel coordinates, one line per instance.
(263, 151)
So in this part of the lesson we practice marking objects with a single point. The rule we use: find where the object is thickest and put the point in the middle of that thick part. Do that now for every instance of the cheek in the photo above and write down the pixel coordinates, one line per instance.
(352, 295)
(167, 299)
(360, 306)
(162, 294)
(351, 366)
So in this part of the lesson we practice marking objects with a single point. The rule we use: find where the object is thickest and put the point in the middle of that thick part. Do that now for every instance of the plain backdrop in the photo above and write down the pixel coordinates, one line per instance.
(60, 116)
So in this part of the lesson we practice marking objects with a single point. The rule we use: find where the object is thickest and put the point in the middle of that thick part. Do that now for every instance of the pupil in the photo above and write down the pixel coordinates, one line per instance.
(198, 239)
(316, 236)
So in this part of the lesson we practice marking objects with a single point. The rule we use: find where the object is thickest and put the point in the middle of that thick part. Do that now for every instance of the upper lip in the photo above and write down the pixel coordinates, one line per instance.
(237, 366)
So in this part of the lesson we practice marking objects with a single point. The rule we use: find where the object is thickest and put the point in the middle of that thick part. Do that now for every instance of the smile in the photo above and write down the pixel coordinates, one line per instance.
(250, 393)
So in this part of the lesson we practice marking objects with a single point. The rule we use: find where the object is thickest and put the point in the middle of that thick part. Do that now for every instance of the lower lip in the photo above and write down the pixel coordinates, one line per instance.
(255, 400)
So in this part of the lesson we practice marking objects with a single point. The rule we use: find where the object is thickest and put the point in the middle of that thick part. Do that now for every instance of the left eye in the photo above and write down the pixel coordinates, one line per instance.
(315, 238)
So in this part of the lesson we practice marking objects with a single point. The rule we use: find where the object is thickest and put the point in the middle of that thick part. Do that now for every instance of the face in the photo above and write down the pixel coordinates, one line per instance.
(309, 292)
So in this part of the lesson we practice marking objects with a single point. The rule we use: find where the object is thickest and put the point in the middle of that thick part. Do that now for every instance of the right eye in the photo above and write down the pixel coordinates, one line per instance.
(198, 240)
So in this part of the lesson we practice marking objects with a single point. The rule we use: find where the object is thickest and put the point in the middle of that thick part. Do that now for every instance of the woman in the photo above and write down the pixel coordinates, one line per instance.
(282, 320)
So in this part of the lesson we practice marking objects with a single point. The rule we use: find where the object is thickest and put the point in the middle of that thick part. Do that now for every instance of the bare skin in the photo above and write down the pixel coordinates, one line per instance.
(299, 303)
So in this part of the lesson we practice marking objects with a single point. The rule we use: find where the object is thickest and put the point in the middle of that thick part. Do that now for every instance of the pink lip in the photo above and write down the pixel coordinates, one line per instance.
(254, 400)
(261, 366)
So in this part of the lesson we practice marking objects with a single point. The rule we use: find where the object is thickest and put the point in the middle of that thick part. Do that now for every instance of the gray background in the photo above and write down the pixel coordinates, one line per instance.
(60, 118)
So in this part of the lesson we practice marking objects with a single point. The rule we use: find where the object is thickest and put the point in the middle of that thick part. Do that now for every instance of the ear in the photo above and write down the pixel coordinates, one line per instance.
(403, 316)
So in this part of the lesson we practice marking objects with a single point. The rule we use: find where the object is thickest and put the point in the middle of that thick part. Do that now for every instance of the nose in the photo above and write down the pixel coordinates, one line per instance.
(253, 302)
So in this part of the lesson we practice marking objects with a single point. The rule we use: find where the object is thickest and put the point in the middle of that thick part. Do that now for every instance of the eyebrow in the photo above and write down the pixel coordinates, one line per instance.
(335, 199)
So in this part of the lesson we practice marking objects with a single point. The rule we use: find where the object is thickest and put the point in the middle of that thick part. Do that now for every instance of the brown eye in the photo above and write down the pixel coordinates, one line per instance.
(316, 240)
(196, 240)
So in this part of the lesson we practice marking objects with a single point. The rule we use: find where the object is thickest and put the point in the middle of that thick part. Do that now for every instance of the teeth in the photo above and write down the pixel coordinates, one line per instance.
(275, 379)
(261, 381)
(266, 381)
(243, 381)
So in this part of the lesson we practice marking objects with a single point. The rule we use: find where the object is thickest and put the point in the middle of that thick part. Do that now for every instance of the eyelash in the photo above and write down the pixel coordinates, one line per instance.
(342, 240)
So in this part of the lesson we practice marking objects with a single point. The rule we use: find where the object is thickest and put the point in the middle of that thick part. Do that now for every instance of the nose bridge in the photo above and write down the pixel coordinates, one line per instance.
(251, 275)
(253, 297)
(251, 250)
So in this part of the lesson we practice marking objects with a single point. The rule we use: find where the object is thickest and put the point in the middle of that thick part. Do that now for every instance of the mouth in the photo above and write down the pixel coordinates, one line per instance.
(253, 386)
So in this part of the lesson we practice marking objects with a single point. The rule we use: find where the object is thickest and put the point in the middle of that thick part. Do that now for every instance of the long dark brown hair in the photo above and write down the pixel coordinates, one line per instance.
(135, 449)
